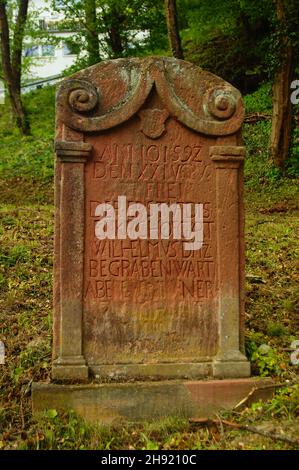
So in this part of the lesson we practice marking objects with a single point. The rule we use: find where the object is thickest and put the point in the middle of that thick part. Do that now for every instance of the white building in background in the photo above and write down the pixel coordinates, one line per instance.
(47, 60)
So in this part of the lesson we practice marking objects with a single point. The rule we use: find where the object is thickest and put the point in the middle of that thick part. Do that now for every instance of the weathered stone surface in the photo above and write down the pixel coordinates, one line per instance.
(142, 401)
(106, 95)
(155, 130)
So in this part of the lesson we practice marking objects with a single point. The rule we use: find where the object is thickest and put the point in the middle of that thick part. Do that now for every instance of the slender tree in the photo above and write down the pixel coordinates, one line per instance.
(280, 139)
(11, 53)
(173, 29)
(92, 34)
(114, 18)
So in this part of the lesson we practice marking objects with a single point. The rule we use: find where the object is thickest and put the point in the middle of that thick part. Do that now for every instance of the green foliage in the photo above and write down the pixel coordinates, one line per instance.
(267, 363)
(18, 253)
(259, 170)
(229, 38)
(276, 329)
(252, 341)
(125, 29)
(27, 163)
(51, 414)
(292, 164)
(258, 167)
(265, 360)
(56, 432)
(30, 156)
(241, 41)
(285, 404)
(33, 354)
(149, 444)
(283, 31)
(260, 101)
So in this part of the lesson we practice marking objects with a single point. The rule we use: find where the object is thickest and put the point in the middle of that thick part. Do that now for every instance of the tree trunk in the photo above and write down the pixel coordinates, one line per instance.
(115, 42)
(92, 36)
(280, 138)
(18, 110)
(11, 63)
(173, 29)
(114, 30)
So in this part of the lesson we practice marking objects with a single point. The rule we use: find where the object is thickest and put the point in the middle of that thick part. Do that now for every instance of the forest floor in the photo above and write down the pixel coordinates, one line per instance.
(26, 246)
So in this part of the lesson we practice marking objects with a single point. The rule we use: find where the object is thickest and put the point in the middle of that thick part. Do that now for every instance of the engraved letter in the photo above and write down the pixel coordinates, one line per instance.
(165, 225)
(122, 218)
(137, 227)
(197, 234)
(105, 228)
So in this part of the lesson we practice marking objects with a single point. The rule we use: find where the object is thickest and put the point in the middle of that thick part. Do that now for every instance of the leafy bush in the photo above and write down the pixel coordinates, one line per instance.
(252, 341)
(267, 363)
(265, 360)
(285, 404)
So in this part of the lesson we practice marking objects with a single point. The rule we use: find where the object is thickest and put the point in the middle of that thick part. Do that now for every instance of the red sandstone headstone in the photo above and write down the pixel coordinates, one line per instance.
(133, 298)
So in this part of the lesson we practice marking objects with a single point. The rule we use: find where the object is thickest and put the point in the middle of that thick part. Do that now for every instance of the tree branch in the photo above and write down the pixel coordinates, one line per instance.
(243, 427)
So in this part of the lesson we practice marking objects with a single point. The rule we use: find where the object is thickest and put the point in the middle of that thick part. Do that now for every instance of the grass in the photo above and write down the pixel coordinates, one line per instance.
(26, 163)
(26, 245)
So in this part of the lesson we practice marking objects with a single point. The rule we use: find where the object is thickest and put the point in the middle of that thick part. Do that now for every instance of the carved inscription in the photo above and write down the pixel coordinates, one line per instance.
(151, 163)
(146, 270)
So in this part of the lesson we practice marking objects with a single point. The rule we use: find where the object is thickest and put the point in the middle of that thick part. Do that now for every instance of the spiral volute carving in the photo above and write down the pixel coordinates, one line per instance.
(82, 96)
(221, 103)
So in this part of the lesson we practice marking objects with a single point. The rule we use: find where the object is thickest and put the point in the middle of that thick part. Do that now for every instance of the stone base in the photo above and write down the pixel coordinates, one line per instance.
(228, 369)
(175, 370)
(147, 400)
(73, 369)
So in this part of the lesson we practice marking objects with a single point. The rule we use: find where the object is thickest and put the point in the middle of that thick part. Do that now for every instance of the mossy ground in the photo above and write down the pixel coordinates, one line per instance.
(26, 240)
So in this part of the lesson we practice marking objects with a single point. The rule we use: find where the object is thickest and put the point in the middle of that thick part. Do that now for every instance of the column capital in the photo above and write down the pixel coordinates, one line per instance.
(225, 156)
(72, 151)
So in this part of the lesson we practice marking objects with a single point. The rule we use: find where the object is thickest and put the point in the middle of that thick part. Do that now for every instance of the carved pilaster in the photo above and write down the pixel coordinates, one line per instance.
(229, 361)
(70, 363)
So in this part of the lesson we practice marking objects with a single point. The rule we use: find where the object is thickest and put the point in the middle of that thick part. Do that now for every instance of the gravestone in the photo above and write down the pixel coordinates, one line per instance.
(135, 295)
(149, 243)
